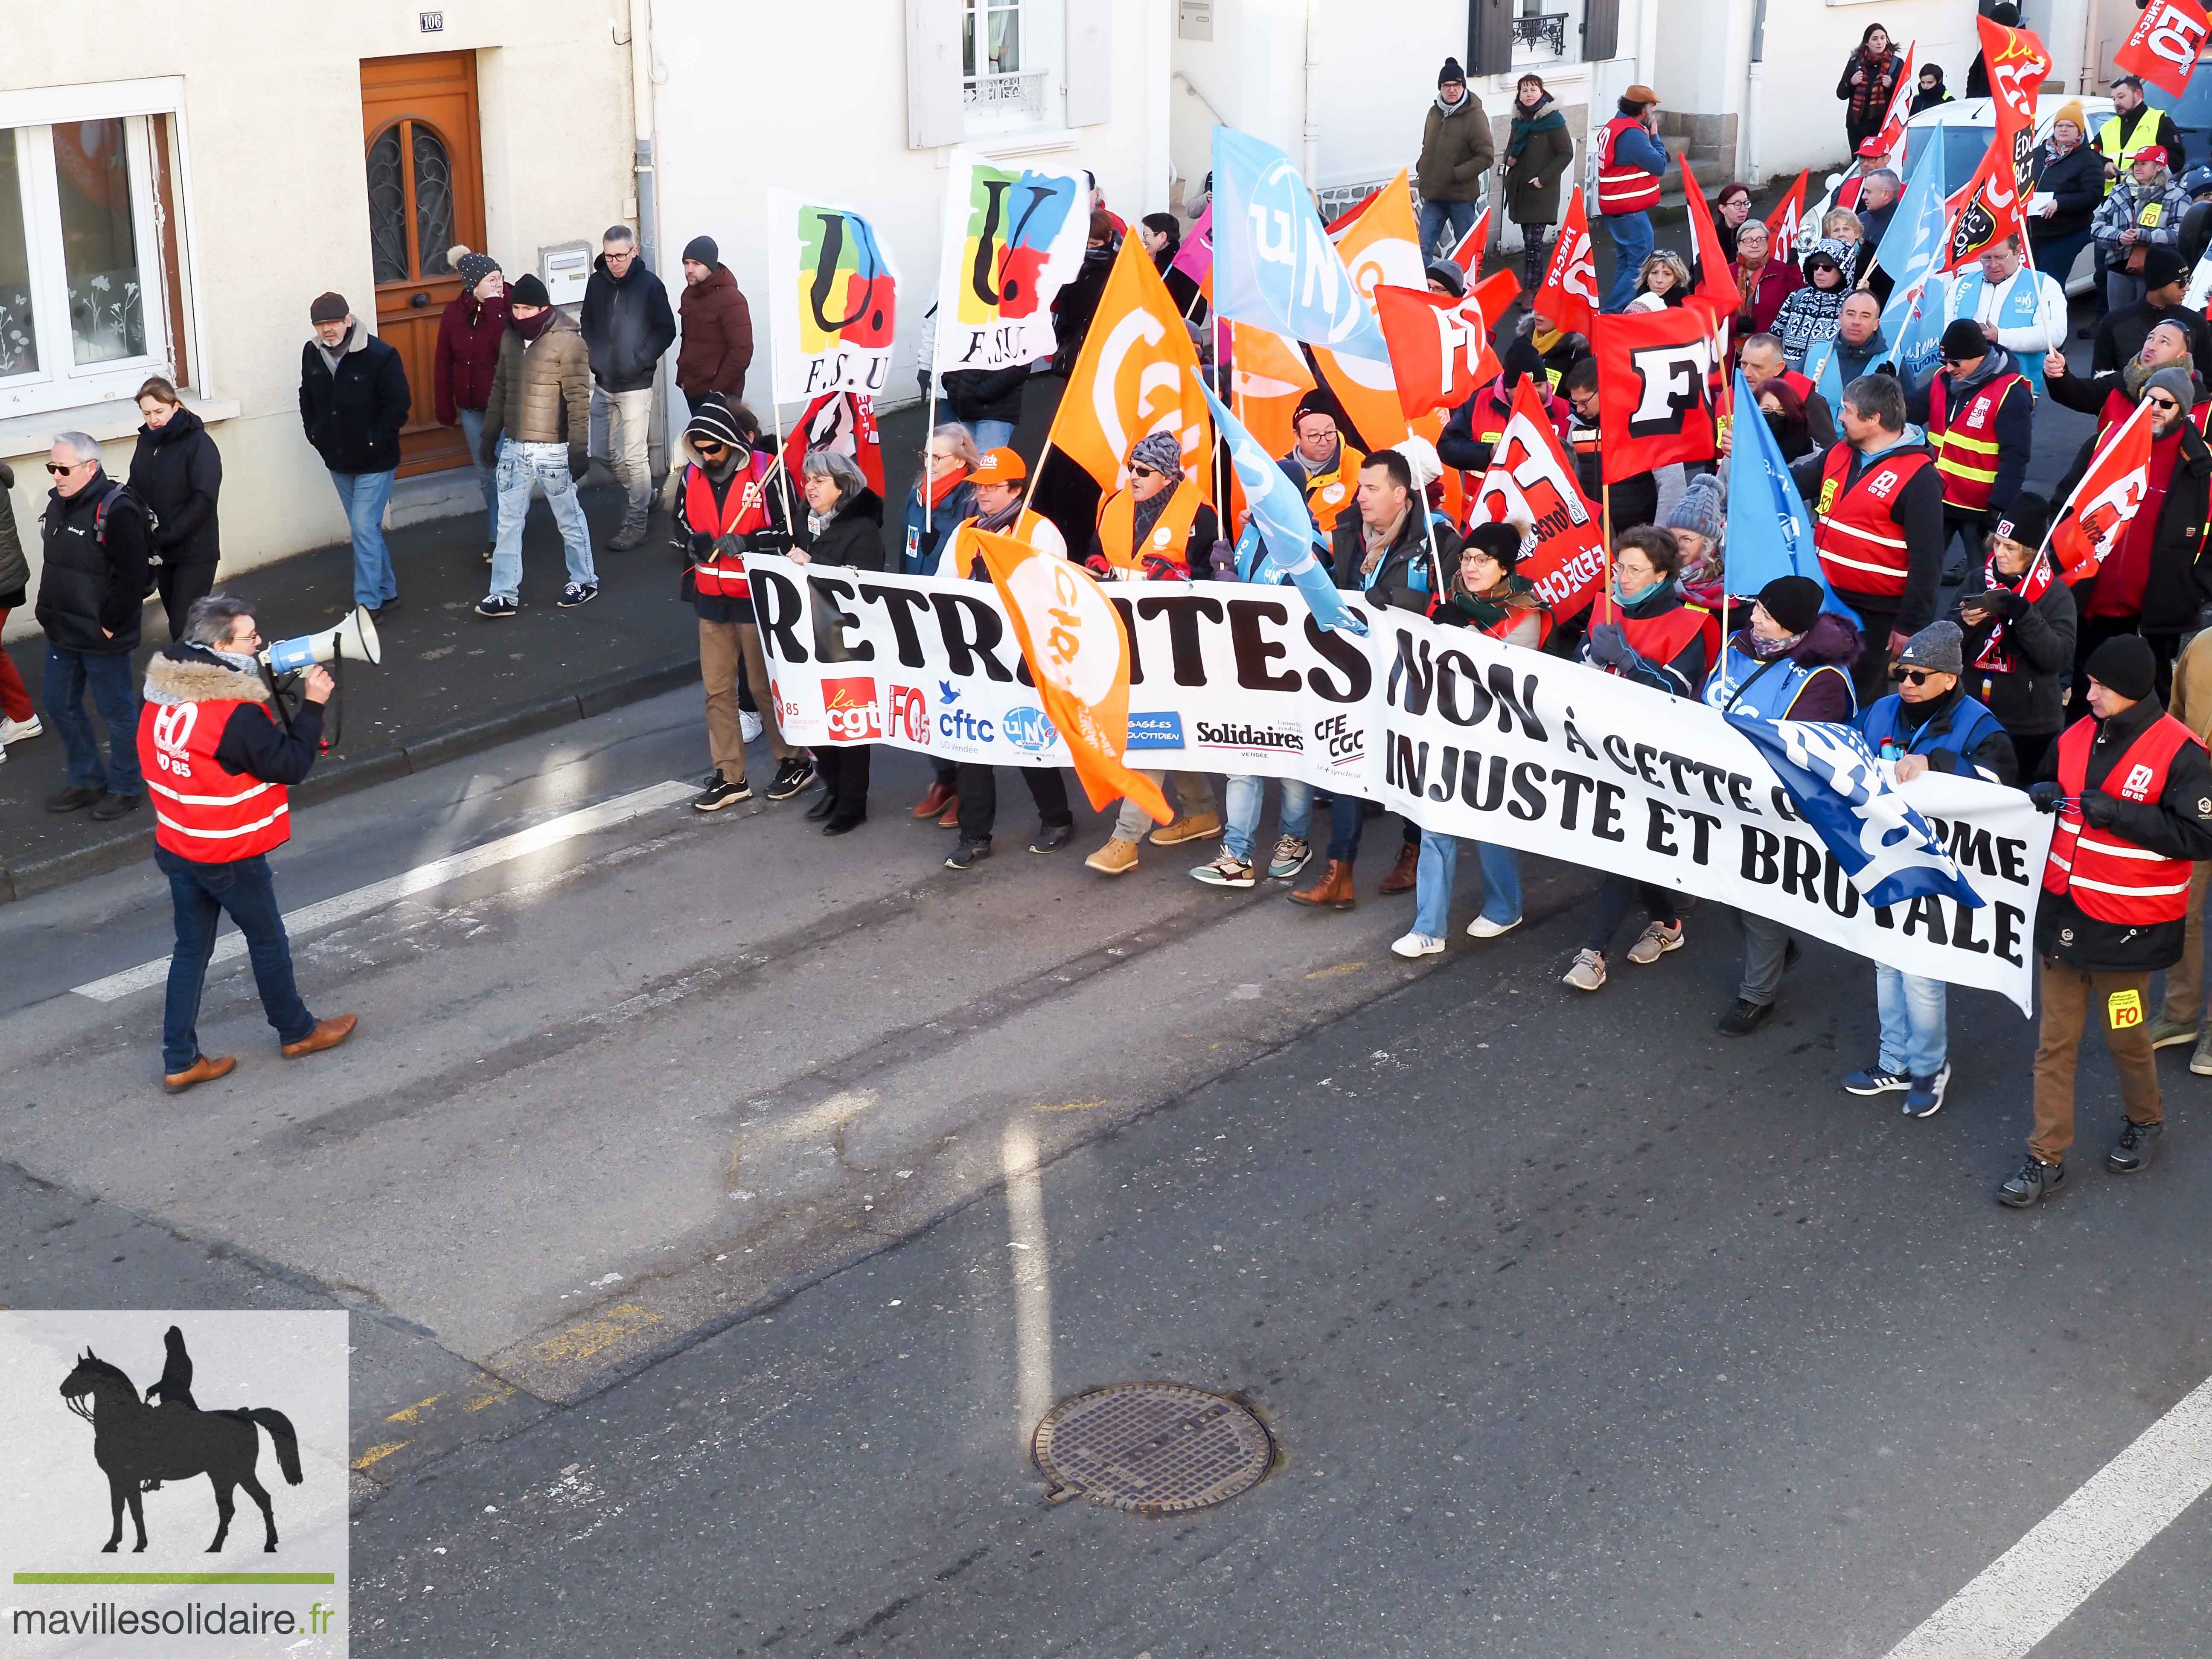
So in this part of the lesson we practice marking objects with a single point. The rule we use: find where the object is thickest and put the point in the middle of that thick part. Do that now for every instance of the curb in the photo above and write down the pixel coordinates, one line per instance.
(342, 777)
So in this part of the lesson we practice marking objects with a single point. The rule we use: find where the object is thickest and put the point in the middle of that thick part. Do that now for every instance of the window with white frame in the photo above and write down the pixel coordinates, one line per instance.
(1004, 77)
(88, 274)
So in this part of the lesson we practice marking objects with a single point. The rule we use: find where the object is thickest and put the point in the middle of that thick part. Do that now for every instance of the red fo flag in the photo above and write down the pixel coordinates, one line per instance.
(1568, 295)
(1439, 346)
(1783, 223)
(2104, 504)
(1654, 388)
(1715, 279)
(1531, 482)
(844, 421)
(1469, 254)
(2162, 47)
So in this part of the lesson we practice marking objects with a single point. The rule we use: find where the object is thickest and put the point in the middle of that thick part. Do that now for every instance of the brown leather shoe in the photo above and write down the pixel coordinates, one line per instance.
(950, 818)
(1333, 891)
(327, 1034)
(1405, 872)
(206, 1069)
(939, 797)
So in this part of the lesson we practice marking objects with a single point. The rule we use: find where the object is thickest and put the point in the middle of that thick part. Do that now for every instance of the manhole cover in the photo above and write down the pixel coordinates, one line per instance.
(1153, 1448)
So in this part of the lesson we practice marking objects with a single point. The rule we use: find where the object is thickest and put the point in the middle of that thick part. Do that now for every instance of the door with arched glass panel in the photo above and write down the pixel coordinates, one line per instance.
(425, 195)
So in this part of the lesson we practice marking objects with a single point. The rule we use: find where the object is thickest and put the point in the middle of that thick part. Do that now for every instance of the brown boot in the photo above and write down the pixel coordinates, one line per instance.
(1333, 889)
(206, 1069)
(1405, 872)
(327, 1034)
(939, 797)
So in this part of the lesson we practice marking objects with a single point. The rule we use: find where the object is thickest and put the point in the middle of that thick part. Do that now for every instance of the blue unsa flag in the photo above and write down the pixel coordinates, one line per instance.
(1889, 852)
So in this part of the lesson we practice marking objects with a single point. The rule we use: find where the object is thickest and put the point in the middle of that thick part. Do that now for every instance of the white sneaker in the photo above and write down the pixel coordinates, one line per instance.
(1654, 942)
(20, 731)
(1588, 972)
(1484, 928)
(1418, 944)
(749, 725)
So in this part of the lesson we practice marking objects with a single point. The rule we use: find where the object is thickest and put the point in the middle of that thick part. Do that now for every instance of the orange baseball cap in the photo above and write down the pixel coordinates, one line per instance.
(998, 466)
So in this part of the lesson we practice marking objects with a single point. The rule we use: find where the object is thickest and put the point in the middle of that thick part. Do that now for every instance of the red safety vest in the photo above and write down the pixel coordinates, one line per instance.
(1805, 389)
(1622, 188)
(1513, 619)
(1967, 454)
(1857, 539)
(743, 511)
(203, 811)
(2110, 878)
(1659, 640)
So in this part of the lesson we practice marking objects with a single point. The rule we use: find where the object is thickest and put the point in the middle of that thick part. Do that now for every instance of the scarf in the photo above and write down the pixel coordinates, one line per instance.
(1486, 610)
(1146, 513)
(1001, 522)
(1526, 123)
(1880, 82)
(1547, 340)
(1760, 650)
(1453, 109)
(1314, 468)
(1993, 656)
(941, 488)
(1379, 540)
(818, 522)
(530, 328)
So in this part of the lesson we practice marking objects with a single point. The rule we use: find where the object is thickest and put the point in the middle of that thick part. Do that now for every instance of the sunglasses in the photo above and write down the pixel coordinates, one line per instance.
(64, 471)
(707, 446)
(2160, 400)
(1913, 676)
(1139, 470)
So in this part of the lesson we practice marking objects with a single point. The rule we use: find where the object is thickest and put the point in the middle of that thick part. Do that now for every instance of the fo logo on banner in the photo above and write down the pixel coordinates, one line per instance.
(908, 713)
(850, 706)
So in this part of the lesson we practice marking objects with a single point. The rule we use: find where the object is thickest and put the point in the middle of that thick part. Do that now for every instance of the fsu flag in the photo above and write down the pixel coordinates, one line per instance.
(1654, 388)
(1783, 224)
(1011, 236)
(1071, 638)
(1568, 295)
(2104, 504)
(833, 302)
(2162, 47)
(1440, 347)
(1715, 280)
(1531, 480)
(842, 421)
(1989, 208)
(1133, 376)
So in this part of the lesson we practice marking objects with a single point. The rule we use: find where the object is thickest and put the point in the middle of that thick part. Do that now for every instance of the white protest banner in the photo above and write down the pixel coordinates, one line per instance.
(1464, 735)
(1012, 236)
(833, 300)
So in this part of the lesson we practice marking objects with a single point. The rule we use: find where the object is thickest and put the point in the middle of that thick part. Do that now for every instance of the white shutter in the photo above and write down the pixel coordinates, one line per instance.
(934, 110)
(1090, 60)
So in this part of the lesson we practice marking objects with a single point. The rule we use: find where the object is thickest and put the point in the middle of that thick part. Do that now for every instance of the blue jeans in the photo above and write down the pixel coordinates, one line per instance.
(1347, 817)
(520, 466)
(201, 893)
(1631, 246)
(991, 435)
(487, 477)
(1246, 796)
(1913, 1012)
(1432, 882)
(1436, 216)
(364, 495)
(115, 693)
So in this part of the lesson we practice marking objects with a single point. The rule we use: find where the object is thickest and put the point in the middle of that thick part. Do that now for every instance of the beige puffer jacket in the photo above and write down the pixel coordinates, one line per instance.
(540, 393)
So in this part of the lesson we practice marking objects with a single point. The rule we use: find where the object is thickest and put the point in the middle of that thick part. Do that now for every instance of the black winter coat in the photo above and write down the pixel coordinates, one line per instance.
(2180, 574)
(177, 472)
(2029, 699)
(2178, 825)
(628, 325)
(854, 538)
(93, 581)
(1403, 560)
(2119, 338)
(2077, 179)
(985, 394)
(353, 417)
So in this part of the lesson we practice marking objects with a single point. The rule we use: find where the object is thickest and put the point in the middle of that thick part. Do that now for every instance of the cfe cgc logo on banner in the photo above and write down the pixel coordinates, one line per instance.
(173, 1483)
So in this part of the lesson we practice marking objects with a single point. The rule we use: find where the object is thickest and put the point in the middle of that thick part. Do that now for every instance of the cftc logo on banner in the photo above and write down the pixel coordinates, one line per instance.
(176, 1479)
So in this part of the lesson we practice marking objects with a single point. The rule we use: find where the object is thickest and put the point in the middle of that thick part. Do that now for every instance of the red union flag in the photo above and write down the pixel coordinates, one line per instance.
(2104, 504)
(1783, 224)
(1568, 295)
(2017, 65)
(1531, 480)
(1439, 346)
(1715, 280)
(2162, 47)
(1654, 388)
(1469, 254)
(1988, 211)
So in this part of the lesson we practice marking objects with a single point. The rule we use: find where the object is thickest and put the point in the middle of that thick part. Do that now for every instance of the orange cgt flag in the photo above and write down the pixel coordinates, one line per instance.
(1138, 373)
(1071, 638)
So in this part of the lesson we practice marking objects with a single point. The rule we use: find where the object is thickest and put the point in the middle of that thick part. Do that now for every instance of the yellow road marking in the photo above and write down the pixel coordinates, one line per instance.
(378, 1454)
(1067, 1106)
(491, 1396)
(596, 1335)
(1340, 967)
(414, 1412)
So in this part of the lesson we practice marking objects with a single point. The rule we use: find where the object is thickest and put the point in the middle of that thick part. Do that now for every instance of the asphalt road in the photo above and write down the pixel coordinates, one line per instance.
(667, 1179)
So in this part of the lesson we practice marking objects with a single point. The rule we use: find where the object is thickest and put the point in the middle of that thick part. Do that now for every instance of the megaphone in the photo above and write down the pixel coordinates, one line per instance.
(354, 639)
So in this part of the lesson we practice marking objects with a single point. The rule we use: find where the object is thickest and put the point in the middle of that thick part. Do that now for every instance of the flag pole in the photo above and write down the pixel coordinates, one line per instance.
(928, 437)
(775, 408)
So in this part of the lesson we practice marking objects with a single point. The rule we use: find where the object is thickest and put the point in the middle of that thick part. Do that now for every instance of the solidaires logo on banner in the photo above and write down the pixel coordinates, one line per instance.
(173, 1483)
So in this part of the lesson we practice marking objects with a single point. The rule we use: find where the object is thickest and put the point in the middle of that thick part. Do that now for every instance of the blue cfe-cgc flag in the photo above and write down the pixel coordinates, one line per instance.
(1884, 847)
(1273, 265)
(1770, 533)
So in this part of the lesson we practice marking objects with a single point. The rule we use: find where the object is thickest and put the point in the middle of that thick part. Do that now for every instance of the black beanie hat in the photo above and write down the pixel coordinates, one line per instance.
(528, 291)
(703, 249)
(2160, 266)
(2024, 520)
(1451, 71)
(1964, 339)
(2124, 664)
(1501, 541)
(1316, 402)
(1793, 601)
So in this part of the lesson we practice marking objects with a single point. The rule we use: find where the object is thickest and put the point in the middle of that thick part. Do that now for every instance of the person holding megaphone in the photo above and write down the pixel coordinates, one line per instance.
(218, 761)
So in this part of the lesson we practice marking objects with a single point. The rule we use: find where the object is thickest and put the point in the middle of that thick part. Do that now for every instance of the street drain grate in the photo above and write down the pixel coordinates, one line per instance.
(1152, 1448)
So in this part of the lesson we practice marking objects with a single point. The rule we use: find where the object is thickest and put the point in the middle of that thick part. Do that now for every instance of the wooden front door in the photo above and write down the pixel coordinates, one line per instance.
(418, 117)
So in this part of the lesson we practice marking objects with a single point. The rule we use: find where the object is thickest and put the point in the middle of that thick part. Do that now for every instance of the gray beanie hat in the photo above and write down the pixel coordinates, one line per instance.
(1701, 509)
(1162, 452)
(1940, 645)
(2180, 381)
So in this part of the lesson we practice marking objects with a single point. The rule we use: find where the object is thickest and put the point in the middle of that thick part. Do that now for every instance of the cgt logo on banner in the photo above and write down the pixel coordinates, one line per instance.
(153, 1427)
(849, 712)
